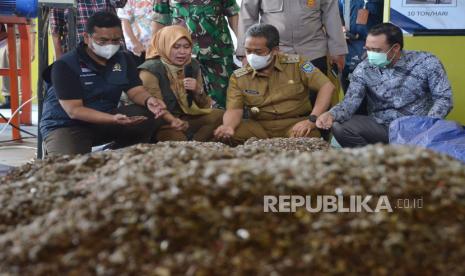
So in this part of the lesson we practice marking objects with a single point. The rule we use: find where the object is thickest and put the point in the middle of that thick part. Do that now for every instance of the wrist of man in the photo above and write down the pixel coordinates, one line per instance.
(229, 126)
(333, 114)
(312, 118)
(112, 119)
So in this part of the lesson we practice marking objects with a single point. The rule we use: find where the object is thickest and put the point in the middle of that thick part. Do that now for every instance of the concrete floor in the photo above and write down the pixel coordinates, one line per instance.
(14, 154)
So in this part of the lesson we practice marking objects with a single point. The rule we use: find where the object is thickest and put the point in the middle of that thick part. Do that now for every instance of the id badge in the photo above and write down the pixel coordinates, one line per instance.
(362, 16)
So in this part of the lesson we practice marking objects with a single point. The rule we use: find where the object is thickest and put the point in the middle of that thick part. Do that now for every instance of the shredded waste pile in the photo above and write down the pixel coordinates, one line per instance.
(188, 208)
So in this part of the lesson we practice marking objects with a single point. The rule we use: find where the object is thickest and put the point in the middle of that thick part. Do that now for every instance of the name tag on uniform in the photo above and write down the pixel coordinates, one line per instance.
(251, 92)
(87, 75)
(88, 83)
(84, 68)
(362, 17)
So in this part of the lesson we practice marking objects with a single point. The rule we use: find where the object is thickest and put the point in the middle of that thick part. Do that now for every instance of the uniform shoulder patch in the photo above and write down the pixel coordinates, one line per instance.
(290, 58)
(242, 71)
(307, 67)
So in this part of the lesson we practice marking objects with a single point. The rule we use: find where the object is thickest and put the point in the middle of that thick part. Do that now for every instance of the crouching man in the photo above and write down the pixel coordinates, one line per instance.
(274, 88)
(81, 105)
(395, 82)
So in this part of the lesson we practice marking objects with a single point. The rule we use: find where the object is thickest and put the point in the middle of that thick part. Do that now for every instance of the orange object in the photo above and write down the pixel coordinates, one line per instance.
(311, 3)
(24, 70)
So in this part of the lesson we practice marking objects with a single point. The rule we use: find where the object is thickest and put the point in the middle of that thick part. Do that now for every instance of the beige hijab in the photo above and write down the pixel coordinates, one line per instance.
(160, 47)
(163, 41)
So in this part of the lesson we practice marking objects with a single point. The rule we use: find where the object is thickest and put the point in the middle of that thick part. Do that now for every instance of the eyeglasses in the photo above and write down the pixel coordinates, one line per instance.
(376, 50)
(258, 52)
(105, 41)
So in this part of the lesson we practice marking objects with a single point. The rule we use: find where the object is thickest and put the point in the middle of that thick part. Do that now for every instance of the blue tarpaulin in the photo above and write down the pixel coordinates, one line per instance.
(438, 135)
(4, 169)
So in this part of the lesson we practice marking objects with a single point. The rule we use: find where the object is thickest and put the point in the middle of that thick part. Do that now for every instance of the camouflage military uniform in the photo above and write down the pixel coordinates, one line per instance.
(213, 45)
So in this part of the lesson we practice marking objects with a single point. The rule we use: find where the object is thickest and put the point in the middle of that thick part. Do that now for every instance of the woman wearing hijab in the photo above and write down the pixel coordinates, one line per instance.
(171, 75)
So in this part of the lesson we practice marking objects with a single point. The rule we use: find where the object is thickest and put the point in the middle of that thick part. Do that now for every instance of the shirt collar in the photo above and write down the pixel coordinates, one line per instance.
(401, 62)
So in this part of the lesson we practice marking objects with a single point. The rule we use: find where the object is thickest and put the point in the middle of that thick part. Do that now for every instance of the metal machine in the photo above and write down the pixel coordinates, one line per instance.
(20, 8)
(43, 24)
(16, 15)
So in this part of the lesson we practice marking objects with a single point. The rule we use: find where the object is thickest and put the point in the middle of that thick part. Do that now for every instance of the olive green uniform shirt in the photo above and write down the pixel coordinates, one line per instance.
(281, 95)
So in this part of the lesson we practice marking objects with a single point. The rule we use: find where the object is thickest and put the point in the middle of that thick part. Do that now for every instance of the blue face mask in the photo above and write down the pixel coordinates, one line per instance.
(379, 59)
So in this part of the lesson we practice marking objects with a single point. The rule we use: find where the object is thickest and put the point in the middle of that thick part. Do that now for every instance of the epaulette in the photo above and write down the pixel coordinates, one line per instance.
(242, 71)
(290, 58)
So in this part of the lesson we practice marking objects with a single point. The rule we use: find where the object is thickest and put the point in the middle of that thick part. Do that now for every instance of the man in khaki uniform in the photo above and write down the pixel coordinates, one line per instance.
(274, 87)
(311, 28)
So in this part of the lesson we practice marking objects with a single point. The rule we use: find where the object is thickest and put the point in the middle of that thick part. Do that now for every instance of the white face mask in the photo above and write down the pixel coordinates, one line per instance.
(259, 62)
(106, 51)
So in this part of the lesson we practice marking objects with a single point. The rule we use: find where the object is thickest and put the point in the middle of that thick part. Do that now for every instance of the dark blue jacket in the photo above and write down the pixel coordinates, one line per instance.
(360, 32)
(101, 89)
(375, 9)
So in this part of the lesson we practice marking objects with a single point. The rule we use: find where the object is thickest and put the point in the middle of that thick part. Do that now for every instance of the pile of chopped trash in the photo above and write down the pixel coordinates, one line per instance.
(199, 209)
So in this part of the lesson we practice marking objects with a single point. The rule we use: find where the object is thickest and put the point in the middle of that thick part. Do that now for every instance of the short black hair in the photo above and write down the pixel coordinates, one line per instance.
(393, 33)
(102, 19)
(269, 32)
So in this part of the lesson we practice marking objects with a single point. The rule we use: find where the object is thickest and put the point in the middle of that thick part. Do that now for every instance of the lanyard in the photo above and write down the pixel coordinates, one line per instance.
(347, 14)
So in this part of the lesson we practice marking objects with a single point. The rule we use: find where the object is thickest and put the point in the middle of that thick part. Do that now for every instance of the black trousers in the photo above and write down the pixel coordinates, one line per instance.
(81, 139)
(322, 64)
(360, 131)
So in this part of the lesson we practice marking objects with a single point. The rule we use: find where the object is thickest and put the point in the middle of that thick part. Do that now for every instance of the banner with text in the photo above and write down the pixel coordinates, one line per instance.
(423, 15)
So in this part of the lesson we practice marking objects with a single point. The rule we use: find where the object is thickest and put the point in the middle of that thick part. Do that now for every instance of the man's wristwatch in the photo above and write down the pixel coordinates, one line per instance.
(312, 118)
